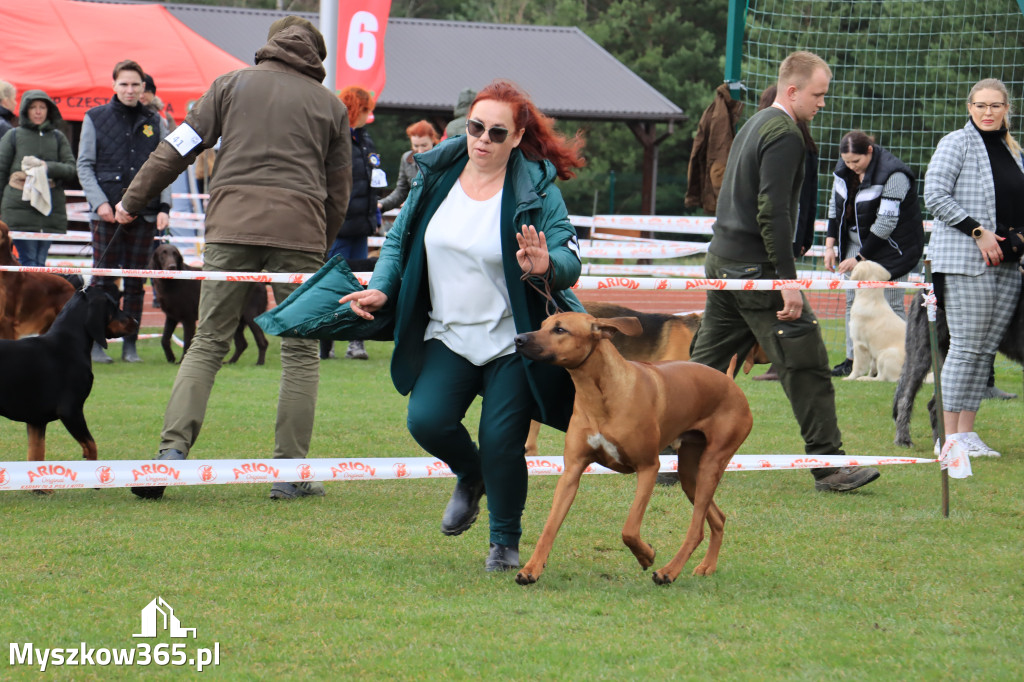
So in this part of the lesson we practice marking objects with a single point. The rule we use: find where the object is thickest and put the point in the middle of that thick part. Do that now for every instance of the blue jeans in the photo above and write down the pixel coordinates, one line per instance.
(349, 247)
(32, 252)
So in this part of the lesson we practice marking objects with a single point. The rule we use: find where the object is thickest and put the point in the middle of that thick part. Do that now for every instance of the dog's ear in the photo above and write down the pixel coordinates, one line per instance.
(96, 321)
(608, 326)
(179, 260)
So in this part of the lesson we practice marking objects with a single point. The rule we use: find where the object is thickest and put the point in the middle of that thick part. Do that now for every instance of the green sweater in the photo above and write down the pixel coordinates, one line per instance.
(757, 207)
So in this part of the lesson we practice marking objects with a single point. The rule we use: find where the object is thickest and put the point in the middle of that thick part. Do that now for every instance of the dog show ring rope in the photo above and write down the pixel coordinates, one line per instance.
(82, 474)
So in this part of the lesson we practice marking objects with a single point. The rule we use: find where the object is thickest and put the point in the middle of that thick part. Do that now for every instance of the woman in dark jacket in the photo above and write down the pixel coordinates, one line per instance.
(873, 214)
(37, 141)
(362, 217)
(367, 177)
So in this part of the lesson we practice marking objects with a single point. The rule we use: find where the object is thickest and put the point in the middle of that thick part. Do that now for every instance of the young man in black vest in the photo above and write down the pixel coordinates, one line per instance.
(116, 140)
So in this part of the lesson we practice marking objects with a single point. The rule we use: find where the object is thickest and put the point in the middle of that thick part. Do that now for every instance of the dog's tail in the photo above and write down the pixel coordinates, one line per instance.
(731, 372)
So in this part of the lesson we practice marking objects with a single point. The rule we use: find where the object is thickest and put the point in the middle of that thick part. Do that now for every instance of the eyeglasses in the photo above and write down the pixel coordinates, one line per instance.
(996, 107)
(495, 134)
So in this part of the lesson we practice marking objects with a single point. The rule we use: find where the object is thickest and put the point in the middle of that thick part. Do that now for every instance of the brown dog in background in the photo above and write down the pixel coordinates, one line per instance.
(179, 301)
(29, 301)
(624, 414)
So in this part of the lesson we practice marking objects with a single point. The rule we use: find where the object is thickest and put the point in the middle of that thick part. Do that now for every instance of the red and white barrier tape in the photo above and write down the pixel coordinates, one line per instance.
(583, 284)
(130, 473)
(79, 237)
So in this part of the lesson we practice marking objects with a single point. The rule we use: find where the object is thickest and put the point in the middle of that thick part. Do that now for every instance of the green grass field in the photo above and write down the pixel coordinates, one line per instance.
(360, 584)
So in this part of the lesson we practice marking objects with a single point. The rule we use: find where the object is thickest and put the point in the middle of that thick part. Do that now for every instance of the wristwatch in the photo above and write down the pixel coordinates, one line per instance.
(977, 232)
(859, 258)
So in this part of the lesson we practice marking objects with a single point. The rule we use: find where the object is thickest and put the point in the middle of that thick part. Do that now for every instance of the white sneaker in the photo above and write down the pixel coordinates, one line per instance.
(938, 447)
(975, 446)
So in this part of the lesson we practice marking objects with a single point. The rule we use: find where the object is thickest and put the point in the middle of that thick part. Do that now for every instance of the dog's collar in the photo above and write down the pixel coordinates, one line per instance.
(593, 347)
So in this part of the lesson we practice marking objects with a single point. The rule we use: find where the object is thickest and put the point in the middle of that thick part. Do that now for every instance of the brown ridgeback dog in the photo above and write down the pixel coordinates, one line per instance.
(624, 414)
(664, 337)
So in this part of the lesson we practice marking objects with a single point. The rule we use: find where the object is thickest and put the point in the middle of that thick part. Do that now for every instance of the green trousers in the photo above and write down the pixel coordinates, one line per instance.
(444, 390)
(734, 320)
(220, 308)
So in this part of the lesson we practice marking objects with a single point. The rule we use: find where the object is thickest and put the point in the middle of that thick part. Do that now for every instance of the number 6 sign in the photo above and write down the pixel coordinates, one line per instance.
(360, 58)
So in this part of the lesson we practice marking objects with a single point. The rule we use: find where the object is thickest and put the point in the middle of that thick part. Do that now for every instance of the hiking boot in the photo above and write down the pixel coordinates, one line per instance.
(843, 369)
(974, 446)
(846, 479)
(502, 558)
(356, 351)
(463, 507)
(155, 492)
(289, 491)
(99, 356)
(998, 393)
(128, 352)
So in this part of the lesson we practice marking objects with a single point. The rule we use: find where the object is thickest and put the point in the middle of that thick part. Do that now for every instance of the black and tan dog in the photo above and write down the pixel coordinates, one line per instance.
(49, 377)
(625, 413)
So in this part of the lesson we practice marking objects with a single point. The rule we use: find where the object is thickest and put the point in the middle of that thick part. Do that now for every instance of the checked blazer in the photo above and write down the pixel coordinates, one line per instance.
(958, 185)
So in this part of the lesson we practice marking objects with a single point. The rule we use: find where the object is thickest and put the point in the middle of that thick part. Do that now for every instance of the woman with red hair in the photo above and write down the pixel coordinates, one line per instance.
(483, 232)
(423, 137)
(362, 216)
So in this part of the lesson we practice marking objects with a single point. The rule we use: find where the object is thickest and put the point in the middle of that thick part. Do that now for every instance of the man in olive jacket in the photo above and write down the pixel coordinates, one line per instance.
(277, 200)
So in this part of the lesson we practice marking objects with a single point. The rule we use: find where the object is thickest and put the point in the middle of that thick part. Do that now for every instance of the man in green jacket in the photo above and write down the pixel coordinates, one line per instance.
(276, 202)
(753, 233)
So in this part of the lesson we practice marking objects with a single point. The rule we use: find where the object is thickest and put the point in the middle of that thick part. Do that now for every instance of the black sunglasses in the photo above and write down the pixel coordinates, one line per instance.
(495, 134)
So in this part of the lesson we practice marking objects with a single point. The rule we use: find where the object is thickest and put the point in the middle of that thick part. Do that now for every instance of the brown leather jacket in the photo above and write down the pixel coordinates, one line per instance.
(283, 174)
(715, 133)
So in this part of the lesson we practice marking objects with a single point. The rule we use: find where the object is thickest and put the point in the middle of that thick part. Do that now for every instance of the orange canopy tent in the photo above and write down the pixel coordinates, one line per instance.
(69, 49)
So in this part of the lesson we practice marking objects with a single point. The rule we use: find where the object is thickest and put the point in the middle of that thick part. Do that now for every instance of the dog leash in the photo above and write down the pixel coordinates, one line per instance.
(549, 299)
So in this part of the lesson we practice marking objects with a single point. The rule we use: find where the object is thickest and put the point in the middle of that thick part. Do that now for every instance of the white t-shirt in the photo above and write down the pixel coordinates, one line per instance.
(471, 311)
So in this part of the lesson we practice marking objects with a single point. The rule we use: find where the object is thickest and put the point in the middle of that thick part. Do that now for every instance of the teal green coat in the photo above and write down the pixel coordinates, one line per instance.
(43, 142)
(529, 198)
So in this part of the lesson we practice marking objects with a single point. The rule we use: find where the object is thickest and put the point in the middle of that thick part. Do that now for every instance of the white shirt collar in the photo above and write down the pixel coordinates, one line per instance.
(779, 106)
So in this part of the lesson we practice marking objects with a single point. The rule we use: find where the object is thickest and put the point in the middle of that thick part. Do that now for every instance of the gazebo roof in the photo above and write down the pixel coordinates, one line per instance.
(567, 74)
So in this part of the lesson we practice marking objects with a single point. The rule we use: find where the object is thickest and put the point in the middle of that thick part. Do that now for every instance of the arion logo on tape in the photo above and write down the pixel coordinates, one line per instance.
(256, 471)
(158, 615)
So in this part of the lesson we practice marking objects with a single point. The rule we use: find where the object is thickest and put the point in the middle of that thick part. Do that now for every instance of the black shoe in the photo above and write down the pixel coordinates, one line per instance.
(502, 558)
(155, 492)
(128, 352)
(997, 393)
(846, 479)
(667, 478)
(463, 508)
(99, 356)
(843, 369)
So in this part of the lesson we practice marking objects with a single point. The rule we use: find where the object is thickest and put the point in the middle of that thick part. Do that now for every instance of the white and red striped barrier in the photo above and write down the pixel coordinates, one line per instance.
(130, 473)
(583, 284)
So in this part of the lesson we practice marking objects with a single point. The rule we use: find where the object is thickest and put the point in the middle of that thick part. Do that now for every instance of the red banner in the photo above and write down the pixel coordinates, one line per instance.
(361, 28)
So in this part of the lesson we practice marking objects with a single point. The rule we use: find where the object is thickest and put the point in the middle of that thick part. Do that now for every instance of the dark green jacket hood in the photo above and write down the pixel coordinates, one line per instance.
(53, 117)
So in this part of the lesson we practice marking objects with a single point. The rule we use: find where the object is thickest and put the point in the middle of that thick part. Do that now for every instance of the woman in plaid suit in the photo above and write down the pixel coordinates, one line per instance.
(974, 188)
